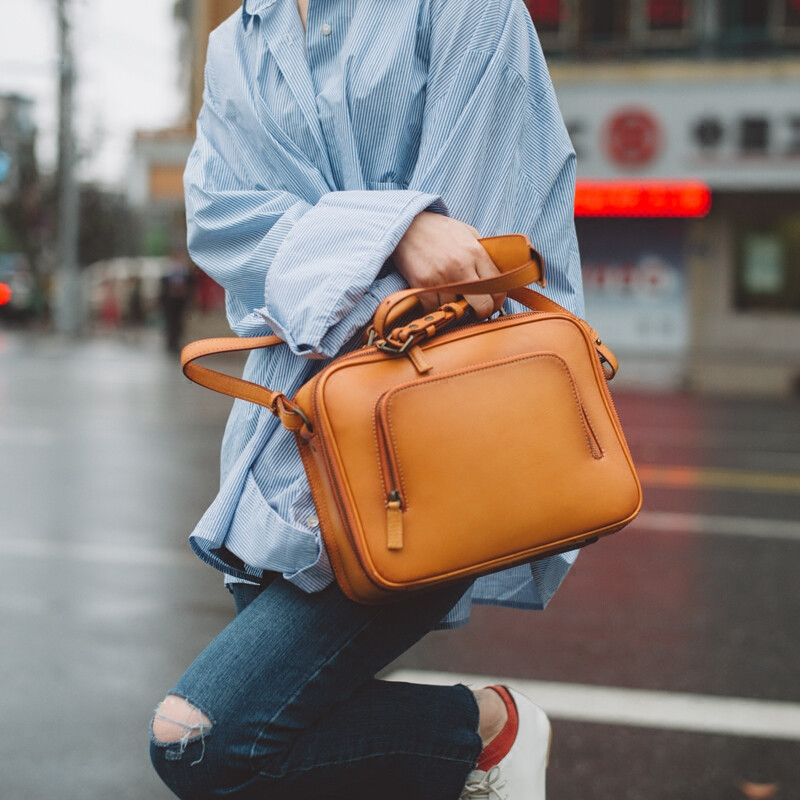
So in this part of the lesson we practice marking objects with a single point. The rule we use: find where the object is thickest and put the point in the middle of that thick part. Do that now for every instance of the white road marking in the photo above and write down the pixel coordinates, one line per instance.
(727, 716)
(670, 522)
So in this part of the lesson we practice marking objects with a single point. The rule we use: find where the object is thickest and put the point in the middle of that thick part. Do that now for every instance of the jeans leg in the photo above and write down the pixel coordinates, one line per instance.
(245, 593)
(296, 712)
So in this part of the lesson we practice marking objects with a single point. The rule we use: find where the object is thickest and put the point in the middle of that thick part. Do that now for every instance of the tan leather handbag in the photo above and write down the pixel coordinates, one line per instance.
(438, 456)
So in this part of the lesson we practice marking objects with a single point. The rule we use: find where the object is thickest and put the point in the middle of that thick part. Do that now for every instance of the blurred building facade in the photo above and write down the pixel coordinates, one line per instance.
(158, 159)
(19, 203)
(667, 102)
(17, 141)
(666, 99)
(155, 178)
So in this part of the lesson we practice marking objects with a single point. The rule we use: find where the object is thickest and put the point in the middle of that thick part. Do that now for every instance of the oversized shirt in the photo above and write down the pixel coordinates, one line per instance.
(315, 150)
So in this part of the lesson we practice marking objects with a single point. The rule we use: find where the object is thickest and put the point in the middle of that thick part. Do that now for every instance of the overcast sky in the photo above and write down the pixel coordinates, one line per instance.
(127, 70)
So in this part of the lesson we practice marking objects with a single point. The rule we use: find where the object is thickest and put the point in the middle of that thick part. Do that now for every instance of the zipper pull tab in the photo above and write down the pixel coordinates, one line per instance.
(394, 520)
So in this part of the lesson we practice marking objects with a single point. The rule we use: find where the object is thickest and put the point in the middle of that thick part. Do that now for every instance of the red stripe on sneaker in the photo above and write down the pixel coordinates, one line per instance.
(498, 748)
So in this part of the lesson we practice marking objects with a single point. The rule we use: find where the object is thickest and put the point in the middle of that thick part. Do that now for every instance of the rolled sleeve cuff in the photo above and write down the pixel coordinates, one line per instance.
(323, 285)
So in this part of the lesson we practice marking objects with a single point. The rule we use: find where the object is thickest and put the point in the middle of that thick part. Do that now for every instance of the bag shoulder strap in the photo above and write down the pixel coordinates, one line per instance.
(290, 415)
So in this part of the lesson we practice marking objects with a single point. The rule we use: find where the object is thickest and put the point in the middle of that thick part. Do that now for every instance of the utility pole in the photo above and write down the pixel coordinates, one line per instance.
(68, 301)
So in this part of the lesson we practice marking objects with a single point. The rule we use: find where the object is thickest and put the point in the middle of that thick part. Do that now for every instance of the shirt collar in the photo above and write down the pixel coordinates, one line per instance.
(253, 8)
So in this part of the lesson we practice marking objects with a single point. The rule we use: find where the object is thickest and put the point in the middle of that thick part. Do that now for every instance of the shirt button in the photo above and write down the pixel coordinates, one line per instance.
(325, 29)
(313, 522)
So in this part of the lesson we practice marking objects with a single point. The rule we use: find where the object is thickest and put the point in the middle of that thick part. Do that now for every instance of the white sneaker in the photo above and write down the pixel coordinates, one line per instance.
(521, 774)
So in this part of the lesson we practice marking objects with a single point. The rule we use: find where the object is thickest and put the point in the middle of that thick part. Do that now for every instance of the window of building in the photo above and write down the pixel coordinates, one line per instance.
(547, 15)
(789, 21)
(755, 24)
(555, 22)
(613, 27)
(667, 15)
(663, 24)
(605, 25)
(768, 265)
(597, 28)
(745, 23)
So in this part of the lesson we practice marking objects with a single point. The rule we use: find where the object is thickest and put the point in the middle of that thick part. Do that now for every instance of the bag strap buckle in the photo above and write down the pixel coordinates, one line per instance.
(291, 415)
(394, 348)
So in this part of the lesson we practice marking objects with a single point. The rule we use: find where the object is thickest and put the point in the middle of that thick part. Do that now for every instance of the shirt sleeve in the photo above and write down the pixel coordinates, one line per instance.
(305, 265)
(494, 144)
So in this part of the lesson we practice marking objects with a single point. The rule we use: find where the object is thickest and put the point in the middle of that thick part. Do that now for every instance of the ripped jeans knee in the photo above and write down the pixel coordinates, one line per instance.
(176, 725)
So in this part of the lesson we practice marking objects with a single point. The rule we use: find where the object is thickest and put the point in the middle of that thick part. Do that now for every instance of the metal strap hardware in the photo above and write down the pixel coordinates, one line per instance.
(281, 407)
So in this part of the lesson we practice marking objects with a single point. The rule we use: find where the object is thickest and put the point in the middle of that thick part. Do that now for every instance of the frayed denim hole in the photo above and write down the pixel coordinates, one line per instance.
(175, 750)
(174, 754)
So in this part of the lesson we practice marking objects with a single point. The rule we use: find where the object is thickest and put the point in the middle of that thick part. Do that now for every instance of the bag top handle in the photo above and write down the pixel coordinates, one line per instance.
(520, 265)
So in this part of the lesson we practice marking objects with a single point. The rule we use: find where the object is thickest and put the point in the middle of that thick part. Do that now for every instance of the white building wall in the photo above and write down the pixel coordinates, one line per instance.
(726, 349)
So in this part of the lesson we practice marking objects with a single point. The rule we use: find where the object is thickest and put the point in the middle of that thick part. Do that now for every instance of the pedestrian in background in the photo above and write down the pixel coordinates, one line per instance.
(347, 149)
(136, 314)
(176, 289)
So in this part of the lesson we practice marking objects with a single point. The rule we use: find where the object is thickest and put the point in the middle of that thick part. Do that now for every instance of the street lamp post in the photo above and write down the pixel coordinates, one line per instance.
(68, 303)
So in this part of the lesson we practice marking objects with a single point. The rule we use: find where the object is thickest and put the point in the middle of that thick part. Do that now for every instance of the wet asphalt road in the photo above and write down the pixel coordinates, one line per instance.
(108, 456)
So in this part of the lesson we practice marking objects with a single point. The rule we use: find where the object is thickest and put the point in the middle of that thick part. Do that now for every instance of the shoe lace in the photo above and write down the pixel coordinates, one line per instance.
(484, 786)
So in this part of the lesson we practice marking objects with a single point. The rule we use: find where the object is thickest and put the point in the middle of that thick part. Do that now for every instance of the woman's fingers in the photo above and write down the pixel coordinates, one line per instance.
(437, 250)
(484, 305)
(429, 302)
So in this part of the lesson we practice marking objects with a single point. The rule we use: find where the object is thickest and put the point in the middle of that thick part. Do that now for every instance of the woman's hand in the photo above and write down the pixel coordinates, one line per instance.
(437, 249)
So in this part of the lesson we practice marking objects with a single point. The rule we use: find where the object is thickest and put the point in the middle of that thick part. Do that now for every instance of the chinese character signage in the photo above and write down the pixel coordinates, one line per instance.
(730, 133)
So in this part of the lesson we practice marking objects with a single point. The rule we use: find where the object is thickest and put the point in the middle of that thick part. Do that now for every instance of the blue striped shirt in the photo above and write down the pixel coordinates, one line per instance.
(315, 150)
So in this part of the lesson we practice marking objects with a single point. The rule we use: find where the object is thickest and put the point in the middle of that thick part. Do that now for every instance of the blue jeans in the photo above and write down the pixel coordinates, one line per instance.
(296, 712)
